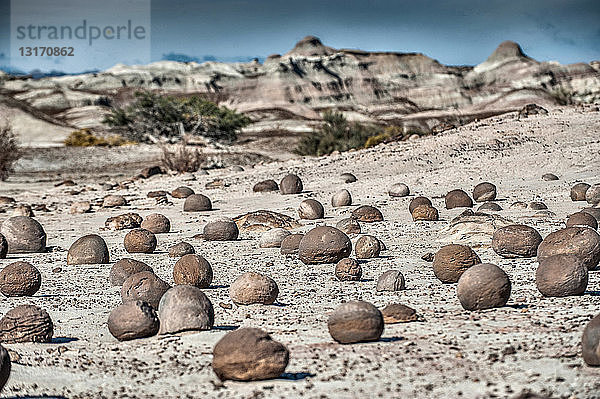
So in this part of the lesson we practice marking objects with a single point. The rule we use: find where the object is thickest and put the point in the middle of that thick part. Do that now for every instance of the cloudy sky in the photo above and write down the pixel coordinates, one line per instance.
(458, 32)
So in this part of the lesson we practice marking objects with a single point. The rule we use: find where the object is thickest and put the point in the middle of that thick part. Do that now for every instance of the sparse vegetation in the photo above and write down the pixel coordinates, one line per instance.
(85, 138)
(153, 118)
(183, 159)
(9, 151)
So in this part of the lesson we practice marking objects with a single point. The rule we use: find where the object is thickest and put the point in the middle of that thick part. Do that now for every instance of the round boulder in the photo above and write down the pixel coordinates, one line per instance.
(348, 226)
(582, 219)
(24, 235)
(347, 178)
(561, 275)
(182, 192)
(156, 223)
(451, 261)
(578, 191)
(341, 198)
(291, 184)
(144, 286)
(592, 195)
(132, 320)
(484, 192)
(398, 313)
(367, 214)
(311, 209)
(483, 286)
(324, 244)
(418, 201)
(88, 250)
(290, 244)
(549, 177)
(367, 247)
(140, 241)
(273, 238)
(265, 186)
(590, 342)
(193, 270)
(582, 242)
(398, 190)
(221, 229)
(537, 206)
(181, 249)
(26, 323)
(458, 199)
(489, 206)
(20, 279)
(355, 321)
(185, 308)
(113, 201)
(348, 269)
(251, 288)
(124, 268)
(249, 354)
(197, 203)
(425, 213)
(516, 241)
(391, 280)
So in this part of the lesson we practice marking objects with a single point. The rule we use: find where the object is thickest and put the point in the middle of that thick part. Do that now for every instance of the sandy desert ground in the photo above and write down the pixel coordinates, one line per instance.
(529, 347)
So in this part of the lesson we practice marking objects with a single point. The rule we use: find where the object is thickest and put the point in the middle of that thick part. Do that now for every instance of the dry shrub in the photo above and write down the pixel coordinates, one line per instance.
(9, 151)
(85, 138)
(182, 159)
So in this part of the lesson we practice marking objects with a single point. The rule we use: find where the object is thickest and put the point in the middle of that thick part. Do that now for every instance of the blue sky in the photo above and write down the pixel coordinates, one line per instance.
(455, 32)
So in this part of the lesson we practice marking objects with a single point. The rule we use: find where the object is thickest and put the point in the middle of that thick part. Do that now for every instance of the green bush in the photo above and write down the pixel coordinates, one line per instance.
(152, 117)
(335, 134)
(9, 151)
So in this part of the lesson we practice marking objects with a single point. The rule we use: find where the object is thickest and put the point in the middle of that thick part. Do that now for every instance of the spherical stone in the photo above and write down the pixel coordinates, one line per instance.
(23, 210)
(582, 219)
(249, 354)
(398, 313)
(221, 229)
(391, 280)
(549, 177)
(273, 238)
(590, 342)
(341, 198)
(140, 241)
(592, 195)
(291, 184)
(537, 206)
(425, 213)
(417, 201)
(193, 270)
(144, 286)
(182, 192)
(80, 207)
(3, 247)
(311, 209)
(516, 241)
(582, 242)
(451, 261)
(595, 212)
(197, 203)
(347, 178)
(484, 192)
(398, 190)
(124, 268)
(367, 247)
(112, 201)
(518, 205)
(367, 214)
(26, 323)
(290, 244)
(20, 279)
(348, 269)
(458, 199)
(156, 223)
(355, 321)
(265, 186)
(324, 244)
(578, 191)
(348, 226)
(5, 367)
(185, 308)
(489, 206)
(131, 320)
(250, 288)
(181, 249)
(561, 275)
(24, 235)
(88, 250)
(483, 286)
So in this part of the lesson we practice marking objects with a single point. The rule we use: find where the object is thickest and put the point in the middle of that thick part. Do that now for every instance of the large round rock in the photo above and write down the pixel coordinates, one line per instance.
(458, 199)
(20, 279)
(483, 286)
(144, 286)
(398, 190)
(391, 280)
(180, 249)
(355, 321)
(124, 268)
(140, 241)
(221, 229)
(582, 219)
(26, 323)
(182, 192)
(348, 226)
(561, 275)
(185, 308)
(197, 203)
(592, 195)
(367, 214)
(578, 191)
(273, 238)
(290, 244)
(451, 261)
(249, 354)
(291, 184)
(425, 213)
(251, 288)
(341, 198)
(311, 209)
(24, 235)
(131, 320)
(516, 241)
(156, 223)
(88, 250)
(590, 342)
(418, 201)
(348, 269)
(582, 242)
(324, 244)
(193, 270)
(367, 247)
(484, 192)
(265, 186)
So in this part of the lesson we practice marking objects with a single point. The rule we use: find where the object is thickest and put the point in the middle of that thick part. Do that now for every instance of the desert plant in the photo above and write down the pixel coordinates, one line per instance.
(9, 151)
(152, 118)
(335, 134)
(85, 138)
(182, 159)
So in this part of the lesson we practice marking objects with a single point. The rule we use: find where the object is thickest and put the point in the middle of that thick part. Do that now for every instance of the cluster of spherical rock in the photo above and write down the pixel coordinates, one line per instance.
(151, 306)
